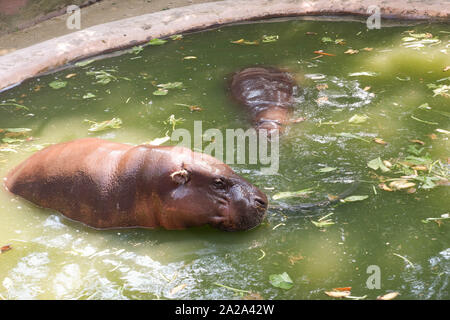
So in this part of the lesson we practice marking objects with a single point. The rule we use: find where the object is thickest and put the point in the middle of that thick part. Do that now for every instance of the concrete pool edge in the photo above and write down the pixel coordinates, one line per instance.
(29, 62)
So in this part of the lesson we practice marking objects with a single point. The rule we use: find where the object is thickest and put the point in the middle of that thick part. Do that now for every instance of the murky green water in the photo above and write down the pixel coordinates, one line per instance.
(53, 258)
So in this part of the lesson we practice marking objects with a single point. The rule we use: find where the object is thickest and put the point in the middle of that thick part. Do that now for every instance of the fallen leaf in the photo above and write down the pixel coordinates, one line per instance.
(446, 68)
(5, 248)
(322, 86)
(321, 99)
(358, 119)
(388, 296)
(367, 49)
(294, 259)
(401, 184)
(366, 88)
(354, 198)
(380, 141)
(189, 57)
(351, 51)
(253, 296)
(384, 187)
(310, 33)
(282, 281)
(418, 141)
(71, 75)
(337, 294)
(420, 168)
(432, 136)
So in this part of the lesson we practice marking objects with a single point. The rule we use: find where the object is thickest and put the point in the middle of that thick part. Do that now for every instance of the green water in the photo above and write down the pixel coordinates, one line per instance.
(53, 258)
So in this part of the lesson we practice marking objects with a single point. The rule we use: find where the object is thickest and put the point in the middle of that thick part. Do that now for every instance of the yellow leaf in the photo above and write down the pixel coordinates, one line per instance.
(388, 296)
(337, 294)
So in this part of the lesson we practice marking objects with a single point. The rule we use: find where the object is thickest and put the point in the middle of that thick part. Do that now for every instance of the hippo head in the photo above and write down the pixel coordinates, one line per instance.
(207, 191)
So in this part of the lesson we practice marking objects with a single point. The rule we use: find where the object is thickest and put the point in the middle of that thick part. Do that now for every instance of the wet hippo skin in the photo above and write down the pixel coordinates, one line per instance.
(111, 185)
(267, 93)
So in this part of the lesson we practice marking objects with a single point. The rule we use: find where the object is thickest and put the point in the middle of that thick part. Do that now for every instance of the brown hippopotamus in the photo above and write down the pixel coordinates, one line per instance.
(268, 93)
(111, 185)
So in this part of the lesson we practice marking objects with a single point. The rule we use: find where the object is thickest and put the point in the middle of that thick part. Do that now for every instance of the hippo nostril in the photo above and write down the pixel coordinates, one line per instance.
(260, 203)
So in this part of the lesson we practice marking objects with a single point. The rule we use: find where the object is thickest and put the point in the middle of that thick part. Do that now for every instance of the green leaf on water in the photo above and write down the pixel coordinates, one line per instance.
(291, 194)
(176, 37)
(282, 281)
(326, 169)
(84, 63)
(136, 49)
(12, 140)
(160, 92)
(114, 123)
(358, 118)
(376, 164)
(267, 39)
(89, 95)
(327, 39)
(170, 85)
(21, 130)
(354, 198)
(57, 84)
(413, 150)
(156, 42)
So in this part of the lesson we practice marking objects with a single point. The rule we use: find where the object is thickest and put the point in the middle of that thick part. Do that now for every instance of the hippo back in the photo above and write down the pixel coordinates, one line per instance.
(263, 87)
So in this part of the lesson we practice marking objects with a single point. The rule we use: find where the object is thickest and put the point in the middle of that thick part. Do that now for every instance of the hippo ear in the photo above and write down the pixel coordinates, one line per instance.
(181, 176)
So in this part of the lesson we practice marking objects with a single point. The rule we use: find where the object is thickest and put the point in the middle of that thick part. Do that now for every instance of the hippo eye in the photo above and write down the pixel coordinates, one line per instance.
(219, 183)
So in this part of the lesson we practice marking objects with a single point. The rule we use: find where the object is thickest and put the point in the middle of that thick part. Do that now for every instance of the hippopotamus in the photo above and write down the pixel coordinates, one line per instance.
(112, 185)
(268, 94)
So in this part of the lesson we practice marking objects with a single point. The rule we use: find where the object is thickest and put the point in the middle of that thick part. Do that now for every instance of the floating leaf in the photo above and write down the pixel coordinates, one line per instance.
(358, 118)
(326, 169)
(114, 123)
(89, 96)
(354, 198)
(189, 58)
(337, 294)
(327, 39)
(160, 92)
(401, 184)
(267, 39)
(376, 164)
(57, 84)
(176, 37)
(5, 248)
(351, 51)
(84, 63)
(380, 141)
(170, 85)
(156, 42)
(388, 296)
(71, 75)
(136, 49)
(282, 281)
(291, 194)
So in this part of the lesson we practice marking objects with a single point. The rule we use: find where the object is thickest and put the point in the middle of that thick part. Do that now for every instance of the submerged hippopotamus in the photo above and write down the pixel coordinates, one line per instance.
(111, 185)
(268, 93)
